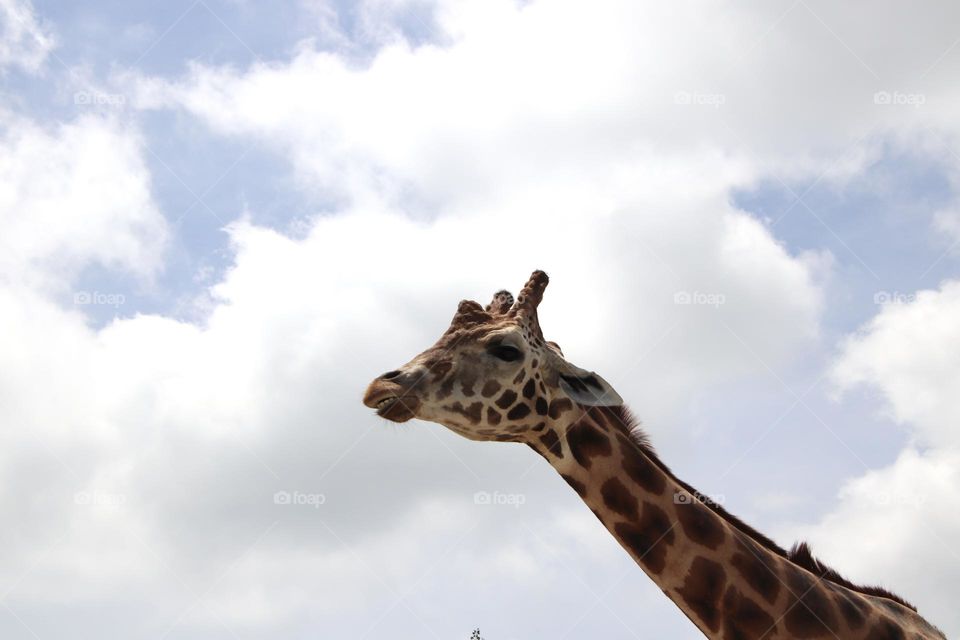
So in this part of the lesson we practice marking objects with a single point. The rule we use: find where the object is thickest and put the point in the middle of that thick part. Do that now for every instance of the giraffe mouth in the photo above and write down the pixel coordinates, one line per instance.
(397, 408)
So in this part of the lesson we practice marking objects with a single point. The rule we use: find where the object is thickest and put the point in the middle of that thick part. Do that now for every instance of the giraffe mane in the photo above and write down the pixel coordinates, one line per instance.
(799, 554)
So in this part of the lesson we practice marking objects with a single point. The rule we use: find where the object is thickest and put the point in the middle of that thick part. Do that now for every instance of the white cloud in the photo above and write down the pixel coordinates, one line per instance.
(72, 195)
(24, 42)
(907, 354)
(607, 159)
(197, 426)
(507, 102)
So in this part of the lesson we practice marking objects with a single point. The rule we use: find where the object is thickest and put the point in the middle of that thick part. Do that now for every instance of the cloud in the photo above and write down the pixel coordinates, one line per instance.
(24, 42)
(447, 169)
(176, 436)
(907, 355)
(501, 102)
(73, 195)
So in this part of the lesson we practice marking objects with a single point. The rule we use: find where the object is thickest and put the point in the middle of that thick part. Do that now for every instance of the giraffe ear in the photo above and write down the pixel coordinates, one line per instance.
(587, 388)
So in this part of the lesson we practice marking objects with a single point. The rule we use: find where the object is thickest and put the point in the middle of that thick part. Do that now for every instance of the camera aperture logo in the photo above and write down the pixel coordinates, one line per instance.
(685, 497)
(715, 300)
(899, 98)
(514, 500)
(99, 498)
(99, 99)
(299, 499)
(114, 300)
(697, 98)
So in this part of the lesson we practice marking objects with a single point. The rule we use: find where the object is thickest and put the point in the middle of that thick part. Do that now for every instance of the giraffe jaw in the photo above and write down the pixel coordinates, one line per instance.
(396, 407)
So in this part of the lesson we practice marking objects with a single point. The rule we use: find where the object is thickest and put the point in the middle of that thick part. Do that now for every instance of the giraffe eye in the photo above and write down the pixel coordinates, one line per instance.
(505, 352)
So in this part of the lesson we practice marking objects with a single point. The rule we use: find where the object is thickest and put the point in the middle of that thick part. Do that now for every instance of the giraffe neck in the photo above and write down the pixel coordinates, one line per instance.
(724, 579)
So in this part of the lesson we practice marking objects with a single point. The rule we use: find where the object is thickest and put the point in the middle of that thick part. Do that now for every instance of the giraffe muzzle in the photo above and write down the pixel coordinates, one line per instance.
(390, 401)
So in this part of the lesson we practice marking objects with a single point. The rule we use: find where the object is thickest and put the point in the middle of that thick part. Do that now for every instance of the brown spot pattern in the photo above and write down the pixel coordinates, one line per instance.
(810, 614)
(702, 589)
(493, 416)
(744, 619)
(586, 442)
(885, 629)
(558, 407)
(640, 469)
(618, 499)
(551, 441)
(490, 387)
(541, 406)
(471, 413)
(518, 412)
(439, 369)
(529, 389)
(648, 539)
(506, 399)
(700, 524)
(759, 572)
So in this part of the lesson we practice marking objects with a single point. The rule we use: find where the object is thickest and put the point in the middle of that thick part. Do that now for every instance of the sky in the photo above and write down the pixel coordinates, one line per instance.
(219, 220)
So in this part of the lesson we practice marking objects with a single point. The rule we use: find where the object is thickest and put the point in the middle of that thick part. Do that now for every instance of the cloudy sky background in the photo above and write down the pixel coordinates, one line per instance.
(219, 219)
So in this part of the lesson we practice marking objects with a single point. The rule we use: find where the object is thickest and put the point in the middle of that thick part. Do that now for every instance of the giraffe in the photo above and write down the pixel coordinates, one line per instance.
(492, 376)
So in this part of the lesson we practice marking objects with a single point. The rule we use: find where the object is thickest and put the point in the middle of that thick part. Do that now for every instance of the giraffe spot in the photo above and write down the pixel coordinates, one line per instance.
(506, 399)
(534, 363)
(700, 524)
(471, 413)
(551, 441)
(445, 390)
(519, 411)
(810, 614)
(439, 369)
(618, 499)
(529, 389)
(519, 377)
(541, 406)
(758, 571)
(577, 486)
(598, 416)
(885, 629)
(543, 389)
(505, 437)
(490, 387)
(744, 619)
(647, 540)
(493, 416)
(640, 469)
(558, 406)
(702, 589)
(467, 388)
(540, 426)
(586, 442)
(852, 607)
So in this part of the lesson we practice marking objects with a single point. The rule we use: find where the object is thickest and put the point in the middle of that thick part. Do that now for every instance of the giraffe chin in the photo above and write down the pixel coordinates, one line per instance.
(398, 409)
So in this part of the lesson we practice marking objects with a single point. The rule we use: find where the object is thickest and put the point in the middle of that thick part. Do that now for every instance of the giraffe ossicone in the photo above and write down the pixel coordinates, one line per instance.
(493, 376)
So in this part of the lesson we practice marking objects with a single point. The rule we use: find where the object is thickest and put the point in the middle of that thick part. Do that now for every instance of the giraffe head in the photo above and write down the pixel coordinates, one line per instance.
(491, 375)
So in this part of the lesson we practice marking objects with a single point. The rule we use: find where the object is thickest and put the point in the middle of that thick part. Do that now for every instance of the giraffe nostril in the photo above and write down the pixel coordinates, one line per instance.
(390, 375)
